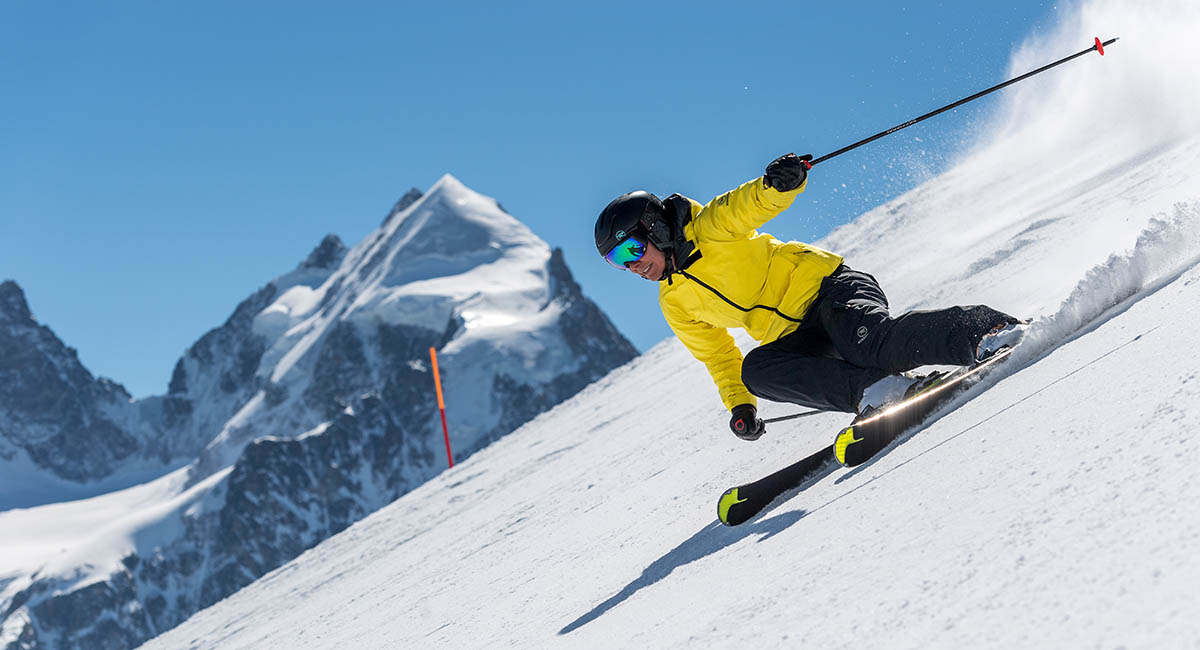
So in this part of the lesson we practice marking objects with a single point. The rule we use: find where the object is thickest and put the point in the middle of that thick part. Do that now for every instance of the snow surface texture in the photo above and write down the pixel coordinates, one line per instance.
(312, 406)
(1056, 509)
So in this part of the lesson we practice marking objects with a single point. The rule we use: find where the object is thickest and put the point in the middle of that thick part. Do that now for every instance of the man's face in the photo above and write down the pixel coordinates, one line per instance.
(652, 265)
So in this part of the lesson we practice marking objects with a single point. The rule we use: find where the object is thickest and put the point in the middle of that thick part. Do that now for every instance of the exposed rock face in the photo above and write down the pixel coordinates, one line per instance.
(218, 373)
(311, 407)
(51, 407)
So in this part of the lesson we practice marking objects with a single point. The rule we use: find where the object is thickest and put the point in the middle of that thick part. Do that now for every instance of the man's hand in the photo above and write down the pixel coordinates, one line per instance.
(787, 172)
(745, 423)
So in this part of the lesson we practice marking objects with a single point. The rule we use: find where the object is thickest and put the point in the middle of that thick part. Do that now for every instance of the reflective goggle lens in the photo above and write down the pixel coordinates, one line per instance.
(630, 250)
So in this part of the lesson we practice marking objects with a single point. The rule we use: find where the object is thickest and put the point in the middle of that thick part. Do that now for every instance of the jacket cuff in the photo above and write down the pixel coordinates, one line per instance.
(742, 396)
(789, 193)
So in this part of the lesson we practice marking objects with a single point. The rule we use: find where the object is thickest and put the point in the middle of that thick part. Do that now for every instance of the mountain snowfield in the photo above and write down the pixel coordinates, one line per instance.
(1055, 509)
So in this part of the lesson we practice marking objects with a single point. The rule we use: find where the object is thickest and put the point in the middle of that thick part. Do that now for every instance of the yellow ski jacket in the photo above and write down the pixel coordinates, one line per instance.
(743, 278)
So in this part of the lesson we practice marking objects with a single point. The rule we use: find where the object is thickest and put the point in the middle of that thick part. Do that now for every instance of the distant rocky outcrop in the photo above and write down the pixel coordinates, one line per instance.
(51, 408)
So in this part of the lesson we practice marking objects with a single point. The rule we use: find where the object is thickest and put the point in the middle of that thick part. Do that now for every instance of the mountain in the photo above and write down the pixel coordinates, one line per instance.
(1056, 509)
(54, 409)
(60, 426)
(309, 408)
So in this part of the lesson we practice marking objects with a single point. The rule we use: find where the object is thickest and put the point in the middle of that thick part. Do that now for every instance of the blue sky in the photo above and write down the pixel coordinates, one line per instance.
(161, 161)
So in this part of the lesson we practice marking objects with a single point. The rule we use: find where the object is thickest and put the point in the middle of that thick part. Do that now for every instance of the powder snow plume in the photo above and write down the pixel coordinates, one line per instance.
(1169, 246)
(1143, 94)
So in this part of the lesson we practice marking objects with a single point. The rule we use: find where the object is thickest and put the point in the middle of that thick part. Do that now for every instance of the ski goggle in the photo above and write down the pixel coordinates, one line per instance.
(631, 249)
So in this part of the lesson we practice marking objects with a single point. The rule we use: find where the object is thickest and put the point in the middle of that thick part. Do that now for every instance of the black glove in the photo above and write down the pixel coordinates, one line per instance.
(787, 172)
(745, 423)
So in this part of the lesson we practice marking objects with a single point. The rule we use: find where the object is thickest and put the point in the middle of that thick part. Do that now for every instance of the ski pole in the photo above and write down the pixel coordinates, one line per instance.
(1098, 46)
(792, 417)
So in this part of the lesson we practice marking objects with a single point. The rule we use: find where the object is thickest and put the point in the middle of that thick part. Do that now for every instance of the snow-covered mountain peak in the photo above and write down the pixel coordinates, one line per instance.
(452, 220)
(451, 260)
(452, 270)
(442, 249)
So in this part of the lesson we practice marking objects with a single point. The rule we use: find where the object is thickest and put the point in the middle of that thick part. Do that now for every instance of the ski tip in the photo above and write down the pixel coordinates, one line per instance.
(727, 501)
(844, 439)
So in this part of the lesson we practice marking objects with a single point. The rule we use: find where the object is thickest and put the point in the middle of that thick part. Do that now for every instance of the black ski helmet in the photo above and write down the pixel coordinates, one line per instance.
(637, 212)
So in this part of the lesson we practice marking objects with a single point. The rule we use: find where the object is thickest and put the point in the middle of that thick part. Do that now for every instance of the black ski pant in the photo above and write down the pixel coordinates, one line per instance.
(847, 341)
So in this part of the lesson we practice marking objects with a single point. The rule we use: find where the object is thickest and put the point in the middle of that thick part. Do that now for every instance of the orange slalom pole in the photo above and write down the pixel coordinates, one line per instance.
(437, 382)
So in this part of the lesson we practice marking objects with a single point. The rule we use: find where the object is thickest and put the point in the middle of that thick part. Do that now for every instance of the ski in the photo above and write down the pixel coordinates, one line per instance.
(740, 503)
(855, 444)
(866, 436)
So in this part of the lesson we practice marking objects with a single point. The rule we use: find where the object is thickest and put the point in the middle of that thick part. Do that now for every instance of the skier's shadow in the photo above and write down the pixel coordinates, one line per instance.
(706, 541)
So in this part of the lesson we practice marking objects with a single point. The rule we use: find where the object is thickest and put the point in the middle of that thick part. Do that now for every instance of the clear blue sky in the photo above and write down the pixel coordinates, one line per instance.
(159, 161)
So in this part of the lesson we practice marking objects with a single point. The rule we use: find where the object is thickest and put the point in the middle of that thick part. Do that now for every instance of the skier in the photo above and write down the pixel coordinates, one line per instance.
(827, 340)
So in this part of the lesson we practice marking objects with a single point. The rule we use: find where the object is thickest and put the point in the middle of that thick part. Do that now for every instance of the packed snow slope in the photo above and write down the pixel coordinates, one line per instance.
(1056, 509)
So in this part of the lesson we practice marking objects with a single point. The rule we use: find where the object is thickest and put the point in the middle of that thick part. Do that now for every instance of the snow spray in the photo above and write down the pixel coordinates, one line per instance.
(1109, 110)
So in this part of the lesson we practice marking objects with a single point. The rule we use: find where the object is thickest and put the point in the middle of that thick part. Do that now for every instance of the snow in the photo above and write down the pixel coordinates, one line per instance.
(1004, 525)
(1056, 509)
(24, 483)
(295, 304)
(87, 538)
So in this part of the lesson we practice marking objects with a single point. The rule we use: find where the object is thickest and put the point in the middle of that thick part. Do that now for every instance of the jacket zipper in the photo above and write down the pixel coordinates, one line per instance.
(734, 304)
